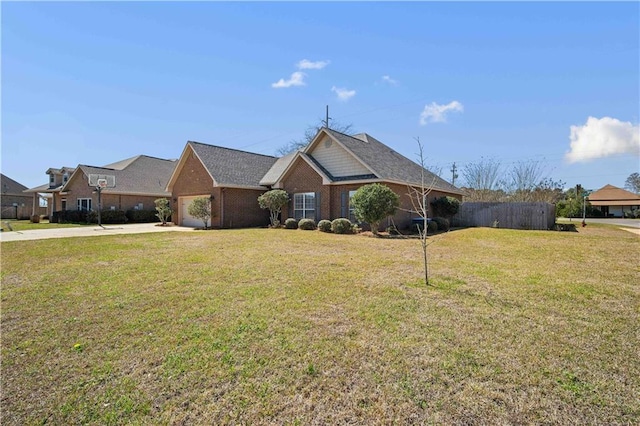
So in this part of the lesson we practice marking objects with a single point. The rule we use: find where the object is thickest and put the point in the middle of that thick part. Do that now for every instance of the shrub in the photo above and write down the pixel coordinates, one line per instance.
(70, 216)
(142, 216)
(274, 200)
(324, 225)
(373, 202)
(445, 206)
(432, 227)
(291, 223)
(307, 224)
(443, 224)
(341, 226)
(163, 210)
(107, 216)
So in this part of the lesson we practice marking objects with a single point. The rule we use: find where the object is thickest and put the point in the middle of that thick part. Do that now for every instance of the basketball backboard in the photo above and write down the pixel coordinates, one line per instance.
(102, 181)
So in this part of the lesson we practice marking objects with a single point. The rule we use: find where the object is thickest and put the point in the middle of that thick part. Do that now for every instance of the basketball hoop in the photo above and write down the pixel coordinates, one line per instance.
(102, 183)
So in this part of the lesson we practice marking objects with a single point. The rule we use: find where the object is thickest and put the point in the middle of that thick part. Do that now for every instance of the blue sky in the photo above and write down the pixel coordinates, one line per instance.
(93, 83)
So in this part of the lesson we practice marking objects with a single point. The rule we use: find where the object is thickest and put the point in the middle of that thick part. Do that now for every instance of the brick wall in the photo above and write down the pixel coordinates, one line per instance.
(302, 178)
(241, 209)
(194, 179)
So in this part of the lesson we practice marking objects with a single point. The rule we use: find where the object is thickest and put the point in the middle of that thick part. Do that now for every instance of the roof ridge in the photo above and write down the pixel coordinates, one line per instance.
(232, 149)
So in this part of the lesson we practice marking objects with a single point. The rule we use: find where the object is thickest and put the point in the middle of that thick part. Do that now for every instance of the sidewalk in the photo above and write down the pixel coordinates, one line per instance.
(88, 231)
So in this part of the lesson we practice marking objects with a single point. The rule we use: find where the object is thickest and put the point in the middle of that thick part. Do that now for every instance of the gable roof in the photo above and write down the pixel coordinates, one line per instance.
(10, 186)
(613, 196)
(140, 175)
(231, 167)
(385, 163)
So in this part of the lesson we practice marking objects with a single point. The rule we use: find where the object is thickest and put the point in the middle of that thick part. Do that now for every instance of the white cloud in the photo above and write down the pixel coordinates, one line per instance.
(603, 137)
(435, 113)
(306, 64)
(389, 80)
(343, 94)
(296, 79)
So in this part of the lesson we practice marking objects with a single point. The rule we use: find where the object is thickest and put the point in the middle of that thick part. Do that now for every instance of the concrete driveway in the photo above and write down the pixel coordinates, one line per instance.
(88, 231)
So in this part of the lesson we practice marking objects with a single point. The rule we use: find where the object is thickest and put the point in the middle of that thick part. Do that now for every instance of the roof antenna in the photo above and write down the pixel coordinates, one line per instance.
(326, 121)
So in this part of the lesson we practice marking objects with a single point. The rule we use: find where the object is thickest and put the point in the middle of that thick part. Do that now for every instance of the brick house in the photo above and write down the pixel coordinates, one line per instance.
(15, 203)
(229, 177)
(320, 180)
(140, 180)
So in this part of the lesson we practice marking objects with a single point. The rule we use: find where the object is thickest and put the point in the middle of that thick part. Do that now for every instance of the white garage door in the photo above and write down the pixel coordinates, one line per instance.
(187, 219)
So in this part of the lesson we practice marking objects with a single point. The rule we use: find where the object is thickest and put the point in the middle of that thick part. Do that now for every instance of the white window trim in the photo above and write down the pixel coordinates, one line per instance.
(89, 204)
(305, 208)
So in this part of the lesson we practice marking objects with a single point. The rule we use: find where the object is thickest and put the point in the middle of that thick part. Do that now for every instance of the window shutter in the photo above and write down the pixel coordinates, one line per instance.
(318, 205)
(344, 207)
(291, 202)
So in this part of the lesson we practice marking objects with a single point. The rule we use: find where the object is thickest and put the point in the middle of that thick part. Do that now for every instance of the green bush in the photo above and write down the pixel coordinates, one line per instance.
(445, 206)
(307, 224)
(443, 224)
(432, 227)
(324, 225)
(291, 223)
(107, 216)
(142, 216)
(341, 226)
(70, 216)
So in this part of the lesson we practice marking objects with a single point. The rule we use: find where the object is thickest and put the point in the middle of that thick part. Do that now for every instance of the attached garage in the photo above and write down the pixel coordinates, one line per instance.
(185, 218)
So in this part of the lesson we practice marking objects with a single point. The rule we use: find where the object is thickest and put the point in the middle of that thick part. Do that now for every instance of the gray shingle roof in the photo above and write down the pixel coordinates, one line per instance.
(389, 164)
(277, 169)
(140, 175)
(233, 167)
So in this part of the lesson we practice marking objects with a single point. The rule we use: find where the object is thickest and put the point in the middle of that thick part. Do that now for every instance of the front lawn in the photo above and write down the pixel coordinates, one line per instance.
(301, 327)
(25, 225)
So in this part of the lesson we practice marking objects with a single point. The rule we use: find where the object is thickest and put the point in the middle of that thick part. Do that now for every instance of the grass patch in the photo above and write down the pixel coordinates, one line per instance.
(27, 225)
(265, 326)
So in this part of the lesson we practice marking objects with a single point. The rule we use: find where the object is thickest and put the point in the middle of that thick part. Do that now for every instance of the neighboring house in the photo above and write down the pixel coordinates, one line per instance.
(229, 177)
(57, 178)
(613, 201)
(319, 179)
(139, 181)
(323, 176)
(15, 203)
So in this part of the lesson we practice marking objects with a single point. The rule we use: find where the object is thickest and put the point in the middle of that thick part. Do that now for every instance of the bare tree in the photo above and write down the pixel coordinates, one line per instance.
(482, 179)
(522, 179)
(310, 133)
(420, 205)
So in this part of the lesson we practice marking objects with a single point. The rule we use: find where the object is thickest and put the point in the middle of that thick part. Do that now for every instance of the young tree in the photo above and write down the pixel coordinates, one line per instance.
(418, 196)
(310, 133)
(373, 202)
(163, 210)
(633, 183)
(274, 200)
(200, 208)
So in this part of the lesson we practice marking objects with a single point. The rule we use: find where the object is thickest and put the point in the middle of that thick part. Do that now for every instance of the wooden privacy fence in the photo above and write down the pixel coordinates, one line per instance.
(540, 216)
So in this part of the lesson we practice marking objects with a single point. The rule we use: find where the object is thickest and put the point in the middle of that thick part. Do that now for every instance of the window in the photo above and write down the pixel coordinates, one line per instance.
(65, 177)
(84, 204)
(63, 204)
(52, 179)
(352, 214)
(304, 205)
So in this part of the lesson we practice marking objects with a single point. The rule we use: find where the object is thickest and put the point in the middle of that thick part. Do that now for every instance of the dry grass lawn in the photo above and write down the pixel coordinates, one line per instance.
(300, 327)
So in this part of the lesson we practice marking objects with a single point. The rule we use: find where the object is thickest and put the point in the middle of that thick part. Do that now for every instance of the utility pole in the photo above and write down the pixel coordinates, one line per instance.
(454, 175)
(326, 121)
